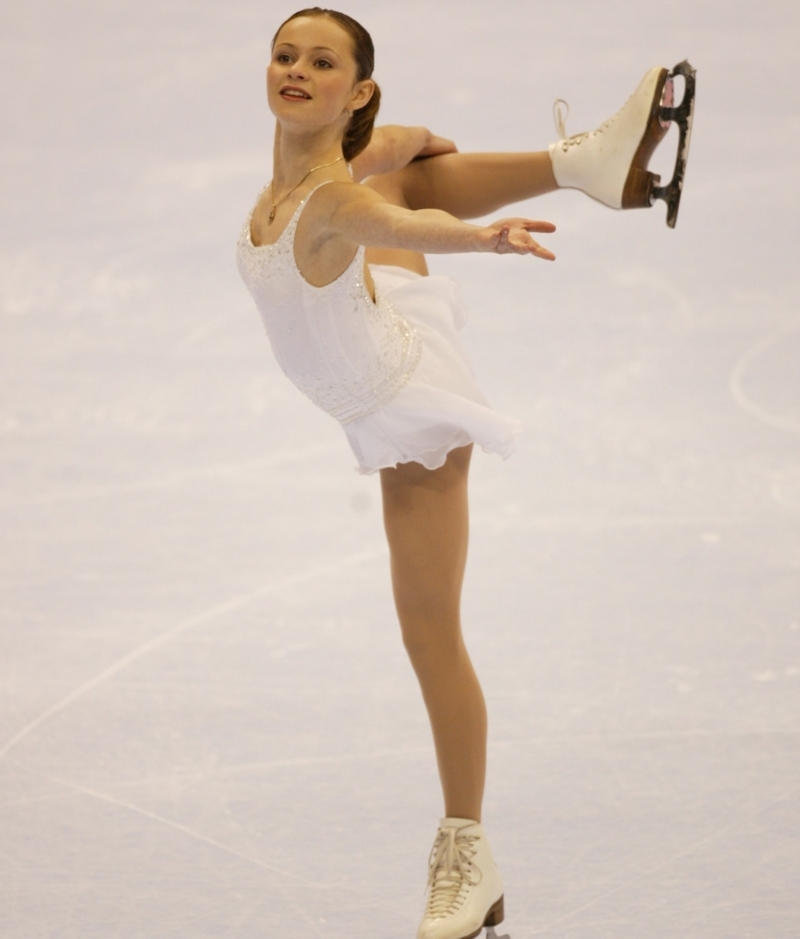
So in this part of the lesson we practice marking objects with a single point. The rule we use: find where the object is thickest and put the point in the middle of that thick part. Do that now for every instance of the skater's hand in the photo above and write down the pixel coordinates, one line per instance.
(511, 236)
(392, 147)
(436, 146)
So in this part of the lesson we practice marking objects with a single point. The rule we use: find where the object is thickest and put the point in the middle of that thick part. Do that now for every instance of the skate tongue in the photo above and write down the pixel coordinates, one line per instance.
(457, 822)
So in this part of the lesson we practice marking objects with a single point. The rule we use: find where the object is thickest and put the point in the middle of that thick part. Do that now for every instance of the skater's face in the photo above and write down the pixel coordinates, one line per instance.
(312, 76)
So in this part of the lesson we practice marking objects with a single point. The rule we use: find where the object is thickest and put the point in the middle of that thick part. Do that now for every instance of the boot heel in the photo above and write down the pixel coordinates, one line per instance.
(638, 190)
(496, 914)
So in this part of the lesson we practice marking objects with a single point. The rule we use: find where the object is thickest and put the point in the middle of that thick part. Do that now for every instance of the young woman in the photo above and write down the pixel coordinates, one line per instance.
(370, 338)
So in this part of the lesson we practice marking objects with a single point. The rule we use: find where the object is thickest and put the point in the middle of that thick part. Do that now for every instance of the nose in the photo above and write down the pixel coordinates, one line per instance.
(297, 70)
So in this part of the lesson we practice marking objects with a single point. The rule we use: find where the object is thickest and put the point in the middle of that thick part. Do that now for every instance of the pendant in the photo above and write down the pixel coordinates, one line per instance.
(272, 215)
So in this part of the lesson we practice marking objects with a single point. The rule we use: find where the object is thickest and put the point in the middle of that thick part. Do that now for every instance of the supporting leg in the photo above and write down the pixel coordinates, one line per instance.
(425, 514)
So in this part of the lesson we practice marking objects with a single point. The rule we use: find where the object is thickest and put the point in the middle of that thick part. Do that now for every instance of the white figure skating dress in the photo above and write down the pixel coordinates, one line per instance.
(392, 371)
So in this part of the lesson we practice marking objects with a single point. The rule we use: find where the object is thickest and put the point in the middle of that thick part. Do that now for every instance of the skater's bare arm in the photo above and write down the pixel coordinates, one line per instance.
(392, 147)
(361, 216)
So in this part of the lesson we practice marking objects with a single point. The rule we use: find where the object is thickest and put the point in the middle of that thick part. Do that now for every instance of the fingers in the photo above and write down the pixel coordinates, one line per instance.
(543, 253)
(443, 145)
(509, 242)
(529, 224)
(532, 225)
(436, 146)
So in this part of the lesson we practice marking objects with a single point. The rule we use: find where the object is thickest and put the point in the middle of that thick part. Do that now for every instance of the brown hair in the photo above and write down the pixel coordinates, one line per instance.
(359, 130)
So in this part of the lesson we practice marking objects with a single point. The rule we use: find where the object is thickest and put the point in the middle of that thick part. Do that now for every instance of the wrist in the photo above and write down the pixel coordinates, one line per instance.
(480, 238)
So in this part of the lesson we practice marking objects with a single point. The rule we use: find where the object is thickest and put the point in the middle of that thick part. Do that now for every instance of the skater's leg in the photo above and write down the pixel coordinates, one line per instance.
(608, 164)
(470, 185)
(425, 514)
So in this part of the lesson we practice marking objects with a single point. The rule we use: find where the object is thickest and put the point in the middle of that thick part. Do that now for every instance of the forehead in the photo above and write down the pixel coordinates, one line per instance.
(315, 32)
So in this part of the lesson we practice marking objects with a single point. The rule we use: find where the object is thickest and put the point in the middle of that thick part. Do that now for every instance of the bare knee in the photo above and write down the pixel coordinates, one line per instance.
(428, 609)
(432, 645)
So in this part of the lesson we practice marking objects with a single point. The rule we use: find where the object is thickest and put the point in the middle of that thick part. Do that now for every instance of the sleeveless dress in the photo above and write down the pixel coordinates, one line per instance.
(392, 371)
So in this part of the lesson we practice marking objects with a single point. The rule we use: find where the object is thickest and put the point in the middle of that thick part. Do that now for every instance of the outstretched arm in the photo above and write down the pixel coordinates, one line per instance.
(363, 217)
(392, 147)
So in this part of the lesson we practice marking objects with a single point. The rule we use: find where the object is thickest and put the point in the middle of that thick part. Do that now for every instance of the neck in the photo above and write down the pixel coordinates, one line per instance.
(294, 154)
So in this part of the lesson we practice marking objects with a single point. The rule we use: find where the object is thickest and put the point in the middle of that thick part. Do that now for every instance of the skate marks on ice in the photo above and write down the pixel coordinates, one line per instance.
(664, 865)
(212, 613)
(648, 278)
(238, 471)
(294, 890)
(743, 366)
(272, 868)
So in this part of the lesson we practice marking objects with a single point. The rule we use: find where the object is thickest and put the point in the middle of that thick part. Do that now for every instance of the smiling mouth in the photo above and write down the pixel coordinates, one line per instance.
(295, 93)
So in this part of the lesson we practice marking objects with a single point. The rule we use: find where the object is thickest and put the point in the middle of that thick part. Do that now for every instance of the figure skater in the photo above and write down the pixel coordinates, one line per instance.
(333, 253)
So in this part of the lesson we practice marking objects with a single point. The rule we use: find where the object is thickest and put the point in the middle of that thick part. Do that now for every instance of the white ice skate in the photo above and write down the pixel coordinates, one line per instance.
(610, 163)
(465, 892)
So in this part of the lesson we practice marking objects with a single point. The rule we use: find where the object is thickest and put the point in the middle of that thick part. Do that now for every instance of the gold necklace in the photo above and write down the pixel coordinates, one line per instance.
(283, 198)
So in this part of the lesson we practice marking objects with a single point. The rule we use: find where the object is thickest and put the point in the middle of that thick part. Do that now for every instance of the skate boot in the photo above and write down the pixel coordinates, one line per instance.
(465, 892)
(610, 163)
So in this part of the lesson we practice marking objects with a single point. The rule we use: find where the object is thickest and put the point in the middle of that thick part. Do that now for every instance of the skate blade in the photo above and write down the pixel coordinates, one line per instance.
(682, 115)
(491, 934)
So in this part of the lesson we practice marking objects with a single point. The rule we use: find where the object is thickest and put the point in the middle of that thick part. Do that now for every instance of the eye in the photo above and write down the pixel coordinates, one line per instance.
(283, 58)
(324, 63)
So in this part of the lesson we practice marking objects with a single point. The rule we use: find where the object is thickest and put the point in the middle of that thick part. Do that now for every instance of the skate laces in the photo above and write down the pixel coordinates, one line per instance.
(451, 871)
(560, 115)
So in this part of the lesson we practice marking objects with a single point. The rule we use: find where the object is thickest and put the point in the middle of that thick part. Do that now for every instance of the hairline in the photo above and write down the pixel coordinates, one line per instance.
(315, 16)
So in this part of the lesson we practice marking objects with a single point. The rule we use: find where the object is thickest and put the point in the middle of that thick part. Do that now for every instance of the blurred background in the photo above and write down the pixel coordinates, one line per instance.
(208, 724)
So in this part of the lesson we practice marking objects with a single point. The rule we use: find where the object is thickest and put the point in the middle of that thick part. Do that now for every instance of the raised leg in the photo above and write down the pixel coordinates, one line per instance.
(425, 514)
(471, 185)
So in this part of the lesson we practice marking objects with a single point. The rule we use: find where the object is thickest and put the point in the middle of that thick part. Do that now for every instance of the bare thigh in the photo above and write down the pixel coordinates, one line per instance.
(427, 526)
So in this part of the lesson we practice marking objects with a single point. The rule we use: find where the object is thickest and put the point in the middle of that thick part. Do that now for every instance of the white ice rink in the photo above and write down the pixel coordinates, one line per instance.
(209, 729)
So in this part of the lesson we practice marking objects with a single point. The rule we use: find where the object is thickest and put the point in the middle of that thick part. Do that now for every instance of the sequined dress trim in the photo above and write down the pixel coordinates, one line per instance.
(348, 354)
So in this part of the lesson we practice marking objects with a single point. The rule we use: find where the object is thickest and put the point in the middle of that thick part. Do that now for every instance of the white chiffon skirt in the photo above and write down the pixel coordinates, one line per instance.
(441, 407)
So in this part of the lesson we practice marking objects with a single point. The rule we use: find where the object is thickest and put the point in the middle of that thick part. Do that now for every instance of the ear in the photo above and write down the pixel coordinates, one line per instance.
(362, 92)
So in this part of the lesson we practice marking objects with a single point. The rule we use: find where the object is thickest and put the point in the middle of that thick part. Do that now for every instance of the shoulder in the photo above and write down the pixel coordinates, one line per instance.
(342, 192)
(338, 198)
(346, 212)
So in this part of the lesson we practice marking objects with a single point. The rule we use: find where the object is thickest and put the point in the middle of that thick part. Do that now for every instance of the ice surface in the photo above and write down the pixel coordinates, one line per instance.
(209, 728)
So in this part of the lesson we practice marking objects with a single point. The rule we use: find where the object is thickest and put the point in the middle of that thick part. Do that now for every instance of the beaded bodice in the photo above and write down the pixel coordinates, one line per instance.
(350, 355)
